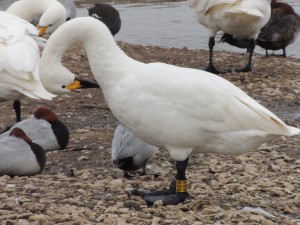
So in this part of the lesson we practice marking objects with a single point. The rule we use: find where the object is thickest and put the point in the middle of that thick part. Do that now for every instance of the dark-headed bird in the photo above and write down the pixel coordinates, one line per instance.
(108, 15)
(281, 30)
(130, 153)
(19, 156)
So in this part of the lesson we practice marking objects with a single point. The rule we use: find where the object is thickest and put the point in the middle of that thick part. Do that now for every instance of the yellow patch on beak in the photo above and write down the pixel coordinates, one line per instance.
(75, 85)
(42, 30)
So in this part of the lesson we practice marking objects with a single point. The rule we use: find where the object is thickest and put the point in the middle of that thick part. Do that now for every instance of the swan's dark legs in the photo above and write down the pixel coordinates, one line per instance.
(17, 108)
(248, 67)
(177, 191)
(211, 68)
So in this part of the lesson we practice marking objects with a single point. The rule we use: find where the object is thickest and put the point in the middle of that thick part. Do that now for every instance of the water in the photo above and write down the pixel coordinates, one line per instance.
(166, 24)
(171, 24)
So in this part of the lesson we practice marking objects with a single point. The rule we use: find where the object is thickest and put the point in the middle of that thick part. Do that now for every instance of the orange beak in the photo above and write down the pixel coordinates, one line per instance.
(75, 85)
(42, 30)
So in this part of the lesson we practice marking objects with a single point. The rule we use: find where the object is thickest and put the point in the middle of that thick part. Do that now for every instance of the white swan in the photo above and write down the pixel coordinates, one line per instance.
(181, 109)
(19, 61)
(243, 19)
(52, 13)
(25, 53)
(70, 8)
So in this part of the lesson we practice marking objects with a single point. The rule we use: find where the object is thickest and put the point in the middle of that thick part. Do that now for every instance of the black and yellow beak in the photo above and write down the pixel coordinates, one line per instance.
(81, 84)
(42, 30)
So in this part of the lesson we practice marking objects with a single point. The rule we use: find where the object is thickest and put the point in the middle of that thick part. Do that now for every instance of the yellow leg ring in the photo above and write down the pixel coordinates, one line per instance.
(181, 185)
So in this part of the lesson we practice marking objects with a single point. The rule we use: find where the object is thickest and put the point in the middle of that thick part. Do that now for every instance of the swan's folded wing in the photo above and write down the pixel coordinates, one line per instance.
(20, 56)
(255, 8)
(202, 7)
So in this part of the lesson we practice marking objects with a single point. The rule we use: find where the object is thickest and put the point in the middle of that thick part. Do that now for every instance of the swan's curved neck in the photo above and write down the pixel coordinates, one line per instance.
(29, 9)
(107, 61)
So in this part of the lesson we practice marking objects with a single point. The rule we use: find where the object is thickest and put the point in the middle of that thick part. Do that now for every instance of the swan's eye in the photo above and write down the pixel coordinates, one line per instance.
(50, 25)
(63, 86)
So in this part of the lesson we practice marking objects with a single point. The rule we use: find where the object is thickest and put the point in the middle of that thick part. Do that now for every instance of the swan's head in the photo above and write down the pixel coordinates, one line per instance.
(60, 80)
(52, 18)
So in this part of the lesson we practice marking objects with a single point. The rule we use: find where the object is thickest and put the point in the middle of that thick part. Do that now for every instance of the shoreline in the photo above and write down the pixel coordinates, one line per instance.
(220, 186)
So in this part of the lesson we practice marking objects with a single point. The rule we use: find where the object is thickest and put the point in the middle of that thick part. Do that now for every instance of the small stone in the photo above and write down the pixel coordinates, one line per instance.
(83, 158)
(34, 207)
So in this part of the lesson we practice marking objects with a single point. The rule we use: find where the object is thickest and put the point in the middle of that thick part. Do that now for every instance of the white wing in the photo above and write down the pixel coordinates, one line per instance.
(20, 56)
(189, 108)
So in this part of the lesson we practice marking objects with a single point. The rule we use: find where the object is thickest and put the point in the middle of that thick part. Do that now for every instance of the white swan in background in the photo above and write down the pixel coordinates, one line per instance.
(19, 156)
(181, 109)
(19, 52)
(70, 8)
(243, 19)
(52, 13)
(19, 61)
(129, 153)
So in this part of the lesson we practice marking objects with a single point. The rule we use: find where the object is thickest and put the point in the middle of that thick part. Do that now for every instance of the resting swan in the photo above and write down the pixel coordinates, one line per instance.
(181, 109)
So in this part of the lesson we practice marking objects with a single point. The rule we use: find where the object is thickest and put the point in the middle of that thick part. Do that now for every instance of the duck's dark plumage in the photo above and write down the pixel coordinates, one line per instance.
(281, 30)
(108, 15)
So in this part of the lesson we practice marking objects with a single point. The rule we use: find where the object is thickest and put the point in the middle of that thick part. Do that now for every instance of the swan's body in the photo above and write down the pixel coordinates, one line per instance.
(19, 156)
(45, 129)
(181, 109)
(243, 19)
(129, 152)
(52, 13)
(19, 60)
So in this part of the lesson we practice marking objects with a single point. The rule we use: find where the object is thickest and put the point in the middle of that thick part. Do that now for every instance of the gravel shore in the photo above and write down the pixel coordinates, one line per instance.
(80, 185)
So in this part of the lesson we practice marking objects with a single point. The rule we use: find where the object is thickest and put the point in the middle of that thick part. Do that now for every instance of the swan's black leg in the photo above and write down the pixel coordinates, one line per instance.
(17, 108)
(176, 193)
(248, 67)
(211, 68)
